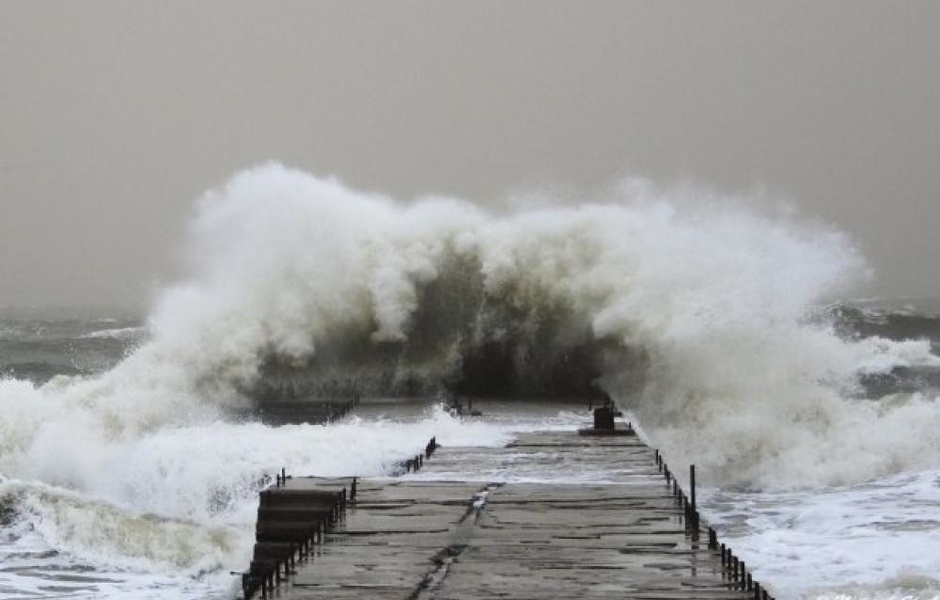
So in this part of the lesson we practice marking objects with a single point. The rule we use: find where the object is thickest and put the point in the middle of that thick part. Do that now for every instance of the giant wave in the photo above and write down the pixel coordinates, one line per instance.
(696, 313)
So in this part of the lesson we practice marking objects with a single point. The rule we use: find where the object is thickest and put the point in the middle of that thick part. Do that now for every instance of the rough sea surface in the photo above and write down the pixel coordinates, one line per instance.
(130, 461)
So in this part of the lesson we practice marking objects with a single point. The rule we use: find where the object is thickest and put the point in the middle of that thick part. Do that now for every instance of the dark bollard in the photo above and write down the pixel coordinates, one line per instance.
(430, 448)
(724, 555)
(750, 582)
(756, 591)
(604, 418)
(693, 511)
(352, 490)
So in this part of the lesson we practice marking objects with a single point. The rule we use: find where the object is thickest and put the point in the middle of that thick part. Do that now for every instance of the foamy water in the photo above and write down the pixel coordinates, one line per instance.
(701, 316)
(879, 539)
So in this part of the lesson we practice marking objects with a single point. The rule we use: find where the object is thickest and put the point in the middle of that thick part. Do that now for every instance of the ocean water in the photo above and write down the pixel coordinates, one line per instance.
(130, 459)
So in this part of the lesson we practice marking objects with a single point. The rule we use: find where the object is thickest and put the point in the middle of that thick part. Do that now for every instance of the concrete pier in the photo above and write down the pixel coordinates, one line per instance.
(623, 532)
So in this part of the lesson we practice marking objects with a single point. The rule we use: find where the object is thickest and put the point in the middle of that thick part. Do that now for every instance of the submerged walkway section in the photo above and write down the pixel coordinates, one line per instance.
(619, 533)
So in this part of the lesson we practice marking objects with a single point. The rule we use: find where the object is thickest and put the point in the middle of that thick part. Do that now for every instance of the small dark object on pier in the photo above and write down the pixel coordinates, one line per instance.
(430, 448)
(604, 418)
(604, 424)
(473, 413)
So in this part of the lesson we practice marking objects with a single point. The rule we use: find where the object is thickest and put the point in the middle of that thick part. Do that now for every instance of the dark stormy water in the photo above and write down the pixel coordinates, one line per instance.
(130, 460)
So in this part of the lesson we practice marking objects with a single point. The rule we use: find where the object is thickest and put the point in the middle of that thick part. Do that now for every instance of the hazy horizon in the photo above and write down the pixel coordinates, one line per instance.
(116, 117)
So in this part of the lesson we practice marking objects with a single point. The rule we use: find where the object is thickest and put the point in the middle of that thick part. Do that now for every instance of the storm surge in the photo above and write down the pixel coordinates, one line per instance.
(702, 317)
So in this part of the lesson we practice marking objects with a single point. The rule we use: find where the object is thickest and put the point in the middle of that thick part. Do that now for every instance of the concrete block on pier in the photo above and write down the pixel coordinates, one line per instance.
(604, 424)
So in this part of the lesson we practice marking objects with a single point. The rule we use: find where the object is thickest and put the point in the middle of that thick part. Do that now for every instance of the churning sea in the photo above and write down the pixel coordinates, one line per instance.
(130, 462)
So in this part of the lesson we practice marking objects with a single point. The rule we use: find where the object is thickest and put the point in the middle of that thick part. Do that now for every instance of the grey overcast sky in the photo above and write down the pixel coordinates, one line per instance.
(115, 116)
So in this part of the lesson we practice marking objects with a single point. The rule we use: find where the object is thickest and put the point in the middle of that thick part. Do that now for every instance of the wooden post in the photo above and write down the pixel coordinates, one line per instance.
(693, 510)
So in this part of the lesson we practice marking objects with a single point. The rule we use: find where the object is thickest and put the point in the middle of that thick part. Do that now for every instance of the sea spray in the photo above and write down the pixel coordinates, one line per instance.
(705, 322)
(700, 320)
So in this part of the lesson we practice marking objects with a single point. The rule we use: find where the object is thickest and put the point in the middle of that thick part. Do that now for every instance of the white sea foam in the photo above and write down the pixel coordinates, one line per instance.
(877, 540)
(727, 363)
(180, 502)
(712, 297)
(879, 355)
(716, 296)
(119, 333)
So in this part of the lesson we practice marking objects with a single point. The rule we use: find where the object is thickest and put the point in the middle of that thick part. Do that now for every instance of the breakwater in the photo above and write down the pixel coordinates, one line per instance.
(434, 536)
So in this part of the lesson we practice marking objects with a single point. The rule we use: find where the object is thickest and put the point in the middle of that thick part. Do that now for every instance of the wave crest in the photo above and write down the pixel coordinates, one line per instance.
(694, 312)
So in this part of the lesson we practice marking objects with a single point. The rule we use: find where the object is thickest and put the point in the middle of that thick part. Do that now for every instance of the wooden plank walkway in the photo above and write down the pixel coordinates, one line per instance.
(619, 533)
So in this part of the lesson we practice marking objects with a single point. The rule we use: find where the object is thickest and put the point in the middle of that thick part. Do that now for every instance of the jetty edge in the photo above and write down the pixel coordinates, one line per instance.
(436, 536)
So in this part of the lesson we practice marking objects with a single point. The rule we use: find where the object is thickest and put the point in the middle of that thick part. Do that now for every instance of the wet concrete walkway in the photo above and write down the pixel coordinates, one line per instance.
(621, 536)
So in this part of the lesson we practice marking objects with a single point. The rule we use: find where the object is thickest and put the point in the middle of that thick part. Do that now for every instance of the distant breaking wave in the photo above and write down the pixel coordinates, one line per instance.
(118, 333)
(699, 315)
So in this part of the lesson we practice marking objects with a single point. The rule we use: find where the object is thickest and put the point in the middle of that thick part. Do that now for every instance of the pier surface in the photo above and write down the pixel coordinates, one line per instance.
(619, 533)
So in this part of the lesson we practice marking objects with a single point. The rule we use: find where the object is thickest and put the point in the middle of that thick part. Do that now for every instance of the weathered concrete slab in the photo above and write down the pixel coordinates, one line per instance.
(418, 538)
(386, 544)
(538, 541)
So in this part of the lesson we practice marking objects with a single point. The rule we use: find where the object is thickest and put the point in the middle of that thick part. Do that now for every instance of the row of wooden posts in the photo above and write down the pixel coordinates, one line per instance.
(732, 567)
(414, 464)
(292, 521)
(338, 411)
(289, 527)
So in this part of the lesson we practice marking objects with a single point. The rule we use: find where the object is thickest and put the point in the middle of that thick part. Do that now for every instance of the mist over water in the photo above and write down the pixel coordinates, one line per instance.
(709, 321)
(703, 317)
